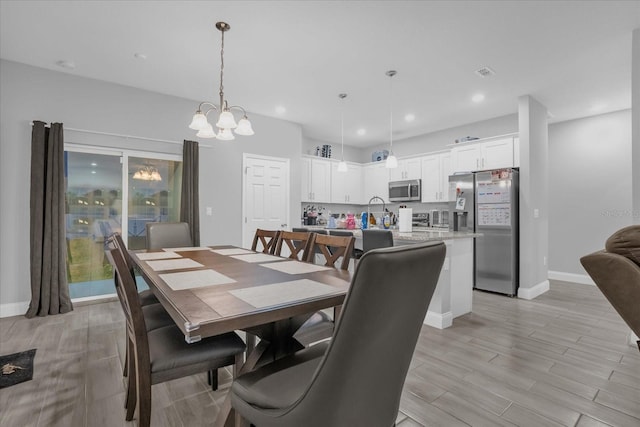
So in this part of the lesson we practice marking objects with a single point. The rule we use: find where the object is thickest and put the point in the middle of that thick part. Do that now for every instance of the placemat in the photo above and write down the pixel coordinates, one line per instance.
(282, 293)
(232, 251)
(157, 255)
(195, 279)
(296, 267)
(173, 264)
(259, 257)
(186, 249)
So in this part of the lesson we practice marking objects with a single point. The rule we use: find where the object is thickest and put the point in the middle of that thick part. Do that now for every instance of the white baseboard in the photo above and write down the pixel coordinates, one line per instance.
(583, 279)
(14, 309)
(439, 320)
(534, 291)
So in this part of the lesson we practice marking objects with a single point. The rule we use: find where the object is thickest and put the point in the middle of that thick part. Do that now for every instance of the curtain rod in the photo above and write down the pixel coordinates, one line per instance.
(128, 136)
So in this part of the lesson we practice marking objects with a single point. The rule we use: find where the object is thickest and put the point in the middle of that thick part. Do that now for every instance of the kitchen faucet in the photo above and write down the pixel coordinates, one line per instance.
(369, 205)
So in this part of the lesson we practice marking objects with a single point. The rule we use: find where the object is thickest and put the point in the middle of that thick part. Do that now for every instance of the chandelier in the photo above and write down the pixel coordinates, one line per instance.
(147, 173)
(226, 122)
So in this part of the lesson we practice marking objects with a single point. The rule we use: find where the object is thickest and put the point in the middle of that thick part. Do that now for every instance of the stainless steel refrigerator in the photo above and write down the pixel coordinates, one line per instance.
(497, 255)
(487, 202)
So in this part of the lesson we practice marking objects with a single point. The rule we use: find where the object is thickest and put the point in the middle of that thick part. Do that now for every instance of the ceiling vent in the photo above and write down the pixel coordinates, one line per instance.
(485, 72)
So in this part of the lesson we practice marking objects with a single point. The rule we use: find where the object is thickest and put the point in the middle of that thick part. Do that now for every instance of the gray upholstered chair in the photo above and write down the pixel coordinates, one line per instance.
(374, 239)
(616, 272)
(357, 253)
(355, 379)
(162, 354)
(168, 235)
(146, 297)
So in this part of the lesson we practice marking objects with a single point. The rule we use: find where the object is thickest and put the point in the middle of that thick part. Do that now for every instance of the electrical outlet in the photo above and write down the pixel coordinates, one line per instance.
(536, 213)
(209, 211)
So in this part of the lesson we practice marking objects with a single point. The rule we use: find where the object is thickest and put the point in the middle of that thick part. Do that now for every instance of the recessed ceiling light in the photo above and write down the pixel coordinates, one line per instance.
(94, 164)
(70, 65)
(409, 117)
(93, 171)
(280, 109)
(478, 97)
(361, 131)
(139, 55)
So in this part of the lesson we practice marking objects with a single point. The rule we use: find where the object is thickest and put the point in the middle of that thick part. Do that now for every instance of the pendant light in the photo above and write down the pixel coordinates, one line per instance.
(226, 121)
(342, 166)
(392, 161)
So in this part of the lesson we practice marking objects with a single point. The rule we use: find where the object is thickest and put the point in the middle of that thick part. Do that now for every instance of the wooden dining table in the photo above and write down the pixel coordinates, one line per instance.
(213, 290)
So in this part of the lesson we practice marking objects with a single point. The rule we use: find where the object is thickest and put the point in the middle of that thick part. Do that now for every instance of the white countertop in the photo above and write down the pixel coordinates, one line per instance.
(419, 234)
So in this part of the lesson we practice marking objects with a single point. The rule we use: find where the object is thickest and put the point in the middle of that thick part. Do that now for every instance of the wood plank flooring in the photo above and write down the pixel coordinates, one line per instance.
(559, 360)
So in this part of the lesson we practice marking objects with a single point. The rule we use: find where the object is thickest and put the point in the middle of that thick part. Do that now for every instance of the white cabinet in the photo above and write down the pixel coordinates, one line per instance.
(436, 169)
(494, 154)
(376, 182)
(407, 169)
(316, 180)
(346, 187)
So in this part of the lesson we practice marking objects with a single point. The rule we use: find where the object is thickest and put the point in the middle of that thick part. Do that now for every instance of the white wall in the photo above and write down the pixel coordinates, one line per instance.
(351, 154)
(440, 140)
(29, 93)
(589, 186)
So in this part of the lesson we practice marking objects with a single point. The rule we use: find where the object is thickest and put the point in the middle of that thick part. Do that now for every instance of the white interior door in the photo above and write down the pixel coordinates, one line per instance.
(266, 195)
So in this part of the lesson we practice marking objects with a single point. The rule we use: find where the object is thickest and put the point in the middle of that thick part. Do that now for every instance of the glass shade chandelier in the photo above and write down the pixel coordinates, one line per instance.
(342, 166)
(147, 173)
(226, 122)
(392, 161)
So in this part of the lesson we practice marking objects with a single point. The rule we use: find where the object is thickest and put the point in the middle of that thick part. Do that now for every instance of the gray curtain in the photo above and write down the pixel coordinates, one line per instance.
(189, 199)
(49, 288)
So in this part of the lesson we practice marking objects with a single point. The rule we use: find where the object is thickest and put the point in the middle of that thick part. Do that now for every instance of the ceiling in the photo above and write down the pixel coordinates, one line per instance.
(573, 56)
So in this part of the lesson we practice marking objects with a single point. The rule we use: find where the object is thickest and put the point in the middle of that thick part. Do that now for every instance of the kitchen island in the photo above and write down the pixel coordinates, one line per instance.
(453, 295)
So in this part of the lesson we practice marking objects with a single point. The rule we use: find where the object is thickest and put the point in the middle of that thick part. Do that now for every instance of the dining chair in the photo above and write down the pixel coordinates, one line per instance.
(297, 242)
(168, 235)
(320, 325)
(146, 297)
(355, 379)
(374, 239)
(163, 354)
(156, 316)
(357, 253)
(268, 240)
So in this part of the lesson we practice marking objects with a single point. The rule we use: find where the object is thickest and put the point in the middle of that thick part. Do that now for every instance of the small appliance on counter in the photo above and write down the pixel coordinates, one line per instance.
(420, 219)
(439, 218)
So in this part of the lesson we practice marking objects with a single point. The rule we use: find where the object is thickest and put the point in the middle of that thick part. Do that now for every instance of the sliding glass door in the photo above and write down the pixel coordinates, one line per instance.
(97, 182)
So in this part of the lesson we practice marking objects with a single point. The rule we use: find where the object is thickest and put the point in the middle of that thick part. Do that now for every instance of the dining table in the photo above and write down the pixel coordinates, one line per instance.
(211, 290)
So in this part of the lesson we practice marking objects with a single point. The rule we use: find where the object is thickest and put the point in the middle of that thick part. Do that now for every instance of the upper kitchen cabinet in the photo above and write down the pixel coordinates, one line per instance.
(376, 181)
(493, 154)
(316, 180)
(436, 169)
(346, 187)
(407, 169)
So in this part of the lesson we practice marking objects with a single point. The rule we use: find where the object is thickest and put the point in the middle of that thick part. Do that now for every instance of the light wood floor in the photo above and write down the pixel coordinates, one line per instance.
(560, 359)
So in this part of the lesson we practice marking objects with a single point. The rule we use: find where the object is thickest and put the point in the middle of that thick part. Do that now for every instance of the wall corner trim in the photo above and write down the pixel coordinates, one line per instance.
(14, 309)
(439, 320)
(534, 291)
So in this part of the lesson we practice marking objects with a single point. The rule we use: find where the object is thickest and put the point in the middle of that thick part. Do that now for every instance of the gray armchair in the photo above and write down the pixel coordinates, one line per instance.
(356, 379)
(616, 272)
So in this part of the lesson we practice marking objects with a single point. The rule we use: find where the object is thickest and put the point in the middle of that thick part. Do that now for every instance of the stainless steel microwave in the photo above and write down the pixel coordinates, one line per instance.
(405, 191)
